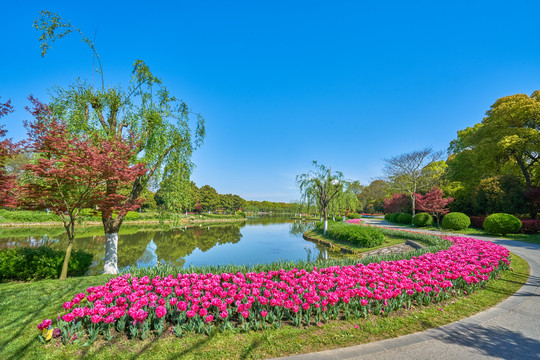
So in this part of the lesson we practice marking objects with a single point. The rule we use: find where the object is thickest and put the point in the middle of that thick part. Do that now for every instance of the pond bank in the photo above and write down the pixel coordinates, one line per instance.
(407, 246)
(142, 222)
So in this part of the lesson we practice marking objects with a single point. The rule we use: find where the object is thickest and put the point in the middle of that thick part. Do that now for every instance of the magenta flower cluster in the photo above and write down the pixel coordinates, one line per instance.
(354, 221)
(198, 302)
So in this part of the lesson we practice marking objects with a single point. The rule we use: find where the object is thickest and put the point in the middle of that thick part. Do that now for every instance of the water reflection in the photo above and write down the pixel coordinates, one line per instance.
(259, 240)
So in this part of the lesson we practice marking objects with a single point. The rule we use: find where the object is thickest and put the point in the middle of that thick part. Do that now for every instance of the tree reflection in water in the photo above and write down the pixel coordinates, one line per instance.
(142, 247)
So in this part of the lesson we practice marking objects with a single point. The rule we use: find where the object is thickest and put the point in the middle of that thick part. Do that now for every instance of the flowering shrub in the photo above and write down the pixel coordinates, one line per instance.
(354, 221)
(256, 300)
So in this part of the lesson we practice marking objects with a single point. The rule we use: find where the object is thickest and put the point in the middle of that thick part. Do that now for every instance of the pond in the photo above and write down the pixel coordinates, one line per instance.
(257, 241)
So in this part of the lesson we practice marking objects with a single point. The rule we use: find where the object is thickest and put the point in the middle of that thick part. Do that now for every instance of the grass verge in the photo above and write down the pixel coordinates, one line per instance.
(24, 305)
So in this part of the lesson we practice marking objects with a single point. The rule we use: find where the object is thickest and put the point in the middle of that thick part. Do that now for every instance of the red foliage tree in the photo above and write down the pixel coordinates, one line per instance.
(433, 203)
(7, 149)
(397, 203)
(72, 171)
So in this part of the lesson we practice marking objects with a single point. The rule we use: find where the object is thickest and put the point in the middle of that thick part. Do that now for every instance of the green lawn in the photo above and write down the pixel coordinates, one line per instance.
(24, 305)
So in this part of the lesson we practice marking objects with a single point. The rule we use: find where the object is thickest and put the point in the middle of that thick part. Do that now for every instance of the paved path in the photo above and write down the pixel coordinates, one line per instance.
(510, 330)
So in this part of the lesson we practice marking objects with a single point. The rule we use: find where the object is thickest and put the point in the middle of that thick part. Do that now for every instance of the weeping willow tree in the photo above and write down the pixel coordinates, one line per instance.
(323, 185)
(165, 128)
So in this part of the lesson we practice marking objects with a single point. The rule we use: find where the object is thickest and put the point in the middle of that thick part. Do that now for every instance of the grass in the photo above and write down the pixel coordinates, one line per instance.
(318, 234)
(24, 305)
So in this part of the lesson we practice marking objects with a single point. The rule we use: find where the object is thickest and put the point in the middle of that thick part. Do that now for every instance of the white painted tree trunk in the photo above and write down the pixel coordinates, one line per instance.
(343, 217)
(325, 226)
(110, 265)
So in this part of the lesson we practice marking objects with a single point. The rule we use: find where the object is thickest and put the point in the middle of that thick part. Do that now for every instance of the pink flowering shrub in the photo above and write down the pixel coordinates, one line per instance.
(206, 302)
(354, 221)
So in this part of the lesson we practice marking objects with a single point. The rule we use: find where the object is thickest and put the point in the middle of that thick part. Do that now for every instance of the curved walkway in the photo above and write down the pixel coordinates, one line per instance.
(509, 330)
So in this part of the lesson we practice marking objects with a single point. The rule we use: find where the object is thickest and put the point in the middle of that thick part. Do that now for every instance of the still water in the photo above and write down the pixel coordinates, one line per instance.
(257, 241)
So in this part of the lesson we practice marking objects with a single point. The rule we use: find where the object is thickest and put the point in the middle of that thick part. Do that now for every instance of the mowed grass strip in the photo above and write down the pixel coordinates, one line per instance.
(24, 305)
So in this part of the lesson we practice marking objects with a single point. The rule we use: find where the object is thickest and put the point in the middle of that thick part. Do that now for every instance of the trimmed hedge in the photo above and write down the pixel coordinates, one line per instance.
(503, 224)
(363, 236)
(456, 221)
(394, 217)
(405, 219)
(354, 215)
(422, 219)
(26, 263)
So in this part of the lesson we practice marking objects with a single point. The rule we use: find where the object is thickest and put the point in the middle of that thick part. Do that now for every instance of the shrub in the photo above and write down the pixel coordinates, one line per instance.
(404, 219)
(362, 236)
(503, 224)
(354, 215)
(40, 263)
(422, 219)
(132, 216)
(530, 226)
(394, 217)
(478, 221)
(387, 216)
(241, 213)
(456, 221)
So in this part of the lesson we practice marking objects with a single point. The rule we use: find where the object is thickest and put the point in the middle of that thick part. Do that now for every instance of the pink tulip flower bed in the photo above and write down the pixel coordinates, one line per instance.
(354, 221)
(205, 303)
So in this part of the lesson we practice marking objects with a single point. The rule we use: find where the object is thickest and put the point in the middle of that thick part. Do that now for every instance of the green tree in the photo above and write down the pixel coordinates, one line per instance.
(208, 198)
(324, 185)
(144, 111)
(372, 196)
(508, 136)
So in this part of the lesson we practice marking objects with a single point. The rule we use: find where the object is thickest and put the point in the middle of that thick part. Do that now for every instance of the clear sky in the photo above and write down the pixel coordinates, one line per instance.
(282, 83)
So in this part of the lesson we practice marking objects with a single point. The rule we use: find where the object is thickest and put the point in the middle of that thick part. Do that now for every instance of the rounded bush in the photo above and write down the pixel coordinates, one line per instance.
(405, 219)
(394, 217)
(456, 221)
(422, 219)
(387, 216)
(132, 216)
(502, 224)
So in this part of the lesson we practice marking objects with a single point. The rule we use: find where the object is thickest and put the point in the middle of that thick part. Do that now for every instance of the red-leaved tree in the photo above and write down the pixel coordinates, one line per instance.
(7, 149)
(71, 172)
(433, 203)
(397, 203)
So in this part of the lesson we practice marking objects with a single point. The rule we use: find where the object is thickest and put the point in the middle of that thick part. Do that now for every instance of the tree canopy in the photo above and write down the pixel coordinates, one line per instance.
(507, 141)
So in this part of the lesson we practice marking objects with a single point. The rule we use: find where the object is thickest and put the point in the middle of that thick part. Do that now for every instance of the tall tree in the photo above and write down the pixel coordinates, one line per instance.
(372, 196)
(74, 172)
(410, 172)
(208, 198)
(144, 112)
(324, 185)
(507, 136)
(7, 150)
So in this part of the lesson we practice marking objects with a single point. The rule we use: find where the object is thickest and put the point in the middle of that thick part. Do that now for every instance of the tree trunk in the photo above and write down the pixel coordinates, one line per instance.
(110, 265)
(413, 202)
(533, 212)
(63, 274)
(325, 212)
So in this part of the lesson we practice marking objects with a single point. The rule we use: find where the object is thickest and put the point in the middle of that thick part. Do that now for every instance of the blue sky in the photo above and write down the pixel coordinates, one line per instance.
(283, 83)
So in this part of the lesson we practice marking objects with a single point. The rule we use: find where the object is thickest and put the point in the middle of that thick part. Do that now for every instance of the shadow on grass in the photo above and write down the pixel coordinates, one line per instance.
(33, 318)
